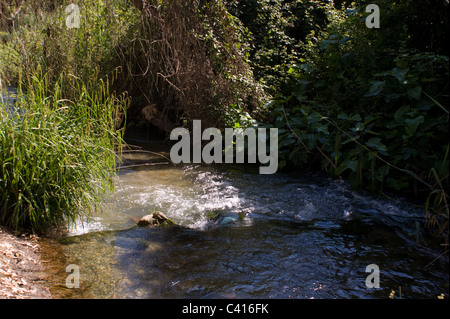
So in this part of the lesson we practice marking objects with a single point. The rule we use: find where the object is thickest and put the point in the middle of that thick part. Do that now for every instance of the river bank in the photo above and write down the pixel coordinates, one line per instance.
(21, 267)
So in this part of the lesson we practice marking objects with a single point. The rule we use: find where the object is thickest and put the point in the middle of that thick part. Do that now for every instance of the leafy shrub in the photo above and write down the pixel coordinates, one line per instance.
(368, 104)
(275, 32)
(367, 107)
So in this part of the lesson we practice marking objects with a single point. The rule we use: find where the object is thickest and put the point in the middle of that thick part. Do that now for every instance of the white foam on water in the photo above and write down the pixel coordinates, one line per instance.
(189, 195)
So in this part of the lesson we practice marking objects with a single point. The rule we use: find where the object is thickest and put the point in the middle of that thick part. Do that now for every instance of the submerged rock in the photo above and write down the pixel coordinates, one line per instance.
(225, 217)
(155, 219)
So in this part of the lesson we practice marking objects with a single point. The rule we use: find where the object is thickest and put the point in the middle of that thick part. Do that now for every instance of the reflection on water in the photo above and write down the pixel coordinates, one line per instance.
(277, 236)
(8, 100)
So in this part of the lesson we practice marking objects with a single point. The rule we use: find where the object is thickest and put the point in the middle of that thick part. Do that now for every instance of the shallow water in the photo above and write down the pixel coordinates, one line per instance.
(245, 235)
(8, 96)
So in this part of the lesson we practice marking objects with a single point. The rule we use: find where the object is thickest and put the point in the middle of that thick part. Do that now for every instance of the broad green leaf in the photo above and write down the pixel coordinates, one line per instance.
(356, 117)
(413, 124)
(400, 113)
(400, 73)
(415, 93)
(376, 143)
(376, 87)
(347, 164)
(321, 128)
(381, 172)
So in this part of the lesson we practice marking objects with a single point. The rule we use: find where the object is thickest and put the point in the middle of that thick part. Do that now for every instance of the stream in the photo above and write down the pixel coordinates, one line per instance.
(243, 235)
(240, 234)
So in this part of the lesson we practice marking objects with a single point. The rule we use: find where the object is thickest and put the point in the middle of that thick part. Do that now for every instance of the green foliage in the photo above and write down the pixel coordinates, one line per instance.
(9, 62)
(368, 104)
(104, 25)
(41, 39)
(228, 48)
(189, 60)
(275, 30)
(56, 154)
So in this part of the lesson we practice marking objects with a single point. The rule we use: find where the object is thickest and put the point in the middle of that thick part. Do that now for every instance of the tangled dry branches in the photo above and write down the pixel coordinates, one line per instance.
(174, 62)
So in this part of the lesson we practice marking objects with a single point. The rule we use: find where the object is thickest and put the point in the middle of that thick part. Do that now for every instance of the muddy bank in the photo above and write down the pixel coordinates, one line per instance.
(22, 273)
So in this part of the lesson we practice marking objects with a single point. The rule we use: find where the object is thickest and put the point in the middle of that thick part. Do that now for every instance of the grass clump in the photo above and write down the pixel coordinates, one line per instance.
(56, 154)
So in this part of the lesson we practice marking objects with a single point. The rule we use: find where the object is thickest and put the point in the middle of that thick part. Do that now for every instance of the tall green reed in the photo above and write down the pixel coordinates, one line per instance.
(57, 155)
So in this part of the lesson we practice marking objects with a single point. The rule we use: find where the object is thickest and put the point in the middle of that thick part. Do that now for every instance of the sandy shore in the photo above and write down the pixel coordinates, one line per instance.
(21, 271)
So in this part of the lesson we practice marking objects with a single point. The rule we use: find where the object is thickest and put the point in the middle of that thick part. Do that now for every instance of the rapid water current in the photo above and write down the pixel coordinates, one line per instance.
(244, 235)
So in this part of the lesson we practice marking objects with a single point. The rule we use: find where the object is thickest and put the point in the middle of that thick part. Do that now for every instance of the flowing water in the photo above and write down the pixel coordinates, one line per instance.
(244, 235)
